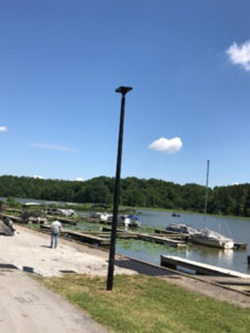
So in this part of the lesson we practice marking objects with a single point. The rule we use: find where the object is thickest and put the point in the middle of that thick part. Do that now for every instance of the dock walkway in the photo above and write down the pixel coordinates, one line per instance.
(173, 240)
(88, 238)
(199, 268)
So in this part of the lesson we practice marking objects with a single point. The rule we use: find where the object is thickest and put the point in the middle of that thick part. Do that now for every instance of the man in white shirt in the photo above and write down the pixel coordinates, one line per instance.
(55, 229)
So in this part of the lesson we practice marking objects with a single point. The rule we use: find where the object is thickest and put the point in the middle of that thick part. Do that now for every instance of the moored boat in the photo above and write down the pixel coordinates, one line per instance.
(207, 236)
(127, 221)
(131, 221)
(103, 217)
(212, 238)
(181, 228)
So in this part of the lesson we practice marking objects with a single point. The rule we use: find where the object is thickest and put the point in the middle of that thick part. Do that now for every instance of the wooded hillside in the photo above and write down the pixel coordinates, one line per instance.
(134, 192)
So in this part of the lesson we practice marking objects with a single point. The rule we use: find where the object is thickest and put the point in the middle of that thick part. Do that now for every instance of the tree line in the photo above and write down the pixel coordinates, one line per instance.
(152, 193)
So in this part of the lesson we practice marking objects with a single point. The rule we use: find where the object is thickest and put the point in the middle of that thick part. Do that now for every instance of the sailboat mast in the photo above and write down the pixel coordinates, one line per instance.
(206, 193)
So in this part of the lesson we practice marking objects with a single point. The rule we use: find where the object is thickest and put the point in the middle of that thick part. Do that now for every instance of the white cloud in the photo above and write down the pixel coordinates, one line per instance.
(3, 129)
(79, 179)
(240, 54)
(169, 146)
(38, 177)
(52, 147)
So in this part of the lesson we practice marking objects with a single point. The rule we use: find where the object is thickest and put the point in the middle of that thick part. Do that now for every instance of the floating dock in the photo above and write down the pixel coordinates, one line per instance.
(199, 268)
(165, 240)
(13, 218)
(93, 239)
(240, 246)
(162, 240)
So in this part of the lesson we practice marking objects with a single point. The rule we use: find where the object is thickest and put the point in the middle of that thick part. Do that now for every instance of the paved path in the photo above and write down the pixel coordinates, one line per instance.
(27, 306)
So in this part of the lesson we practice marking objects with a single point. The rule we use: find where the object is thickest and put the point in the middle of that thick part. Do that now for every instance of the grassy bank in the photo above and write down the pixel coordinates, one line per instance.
(145, 304)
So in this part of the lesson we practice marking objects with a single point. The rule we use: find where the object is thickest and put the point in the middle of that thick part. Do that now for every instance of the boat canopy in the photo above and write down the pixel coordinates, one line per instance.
(27, 204)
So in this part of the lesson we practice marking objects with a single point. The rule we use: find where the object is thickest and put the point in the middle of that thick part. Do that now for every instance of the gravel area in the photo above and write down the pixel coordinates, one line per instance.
(30, 250)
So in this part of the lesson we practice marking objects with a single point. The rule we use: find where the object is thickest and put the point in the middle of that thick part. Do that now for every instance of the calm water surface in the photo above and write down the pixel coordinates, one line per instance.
(238, 229)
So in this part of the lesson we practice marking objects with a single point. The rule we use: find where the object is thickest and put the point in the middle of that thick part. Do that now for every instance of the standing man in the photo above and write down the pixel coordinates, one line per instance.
(56, 227)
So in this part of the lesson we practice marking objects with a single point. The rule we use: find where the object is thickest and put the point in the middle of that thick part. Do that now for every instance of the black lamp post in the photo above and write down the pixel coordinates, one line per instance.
(123, 91)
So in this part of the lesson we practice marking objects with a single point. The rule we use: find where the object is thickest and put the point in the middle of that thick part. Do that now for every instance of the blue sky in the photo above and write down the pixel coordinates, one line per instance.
(187, 61)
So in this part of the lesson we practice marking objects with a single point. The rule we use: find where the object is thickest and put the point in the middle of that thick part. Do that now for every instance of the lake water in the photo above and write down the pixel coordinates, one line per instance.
(238, 229)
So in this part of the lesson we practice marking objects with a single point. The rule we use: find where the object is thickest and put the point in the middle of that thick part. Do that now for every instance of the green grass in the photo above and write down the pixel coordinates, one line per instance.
(145, 304)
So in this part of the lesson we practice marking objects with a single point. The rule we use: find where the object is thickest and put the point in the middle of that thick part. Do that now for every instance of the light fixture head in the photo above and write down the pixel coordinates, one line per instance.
(123, 90)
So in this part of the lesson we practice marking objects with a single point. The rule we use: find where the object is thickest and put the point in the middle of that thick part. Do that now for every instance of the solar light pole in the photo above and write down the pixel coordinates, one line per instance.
(123, 91)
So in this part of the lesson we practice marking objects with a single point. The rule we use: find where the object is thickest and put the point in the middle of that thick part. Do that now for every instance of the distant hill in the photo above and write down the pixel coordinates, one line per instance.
(153, 193)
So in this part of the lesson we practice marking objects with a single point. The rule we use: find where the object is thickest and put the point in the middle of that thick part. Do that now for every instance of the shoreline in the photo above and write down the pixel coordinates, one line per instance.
(30, 251)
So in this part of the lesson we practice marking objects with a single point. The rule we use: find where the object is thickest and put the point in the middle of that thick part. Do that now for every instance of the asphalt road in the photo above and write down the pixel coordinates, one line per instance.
(27, 306)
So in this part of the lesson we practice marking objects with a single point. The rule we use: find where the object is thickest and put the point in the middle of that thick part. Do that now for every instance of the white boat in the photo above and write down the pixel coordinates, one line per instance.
(212, 238)
(181, 228)
(64, 212)
(131, 221)
(209, 237)
(103, 217)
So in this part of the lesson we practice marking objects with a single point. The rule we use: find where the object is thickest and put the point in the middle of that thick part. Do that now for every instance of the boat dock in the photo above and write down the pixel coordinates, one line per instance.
(172, 234)
(162, 240)
(13, 218)
(240, 246)
(89, 238)
(165, 240)
(38, 220)
(199, 268)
